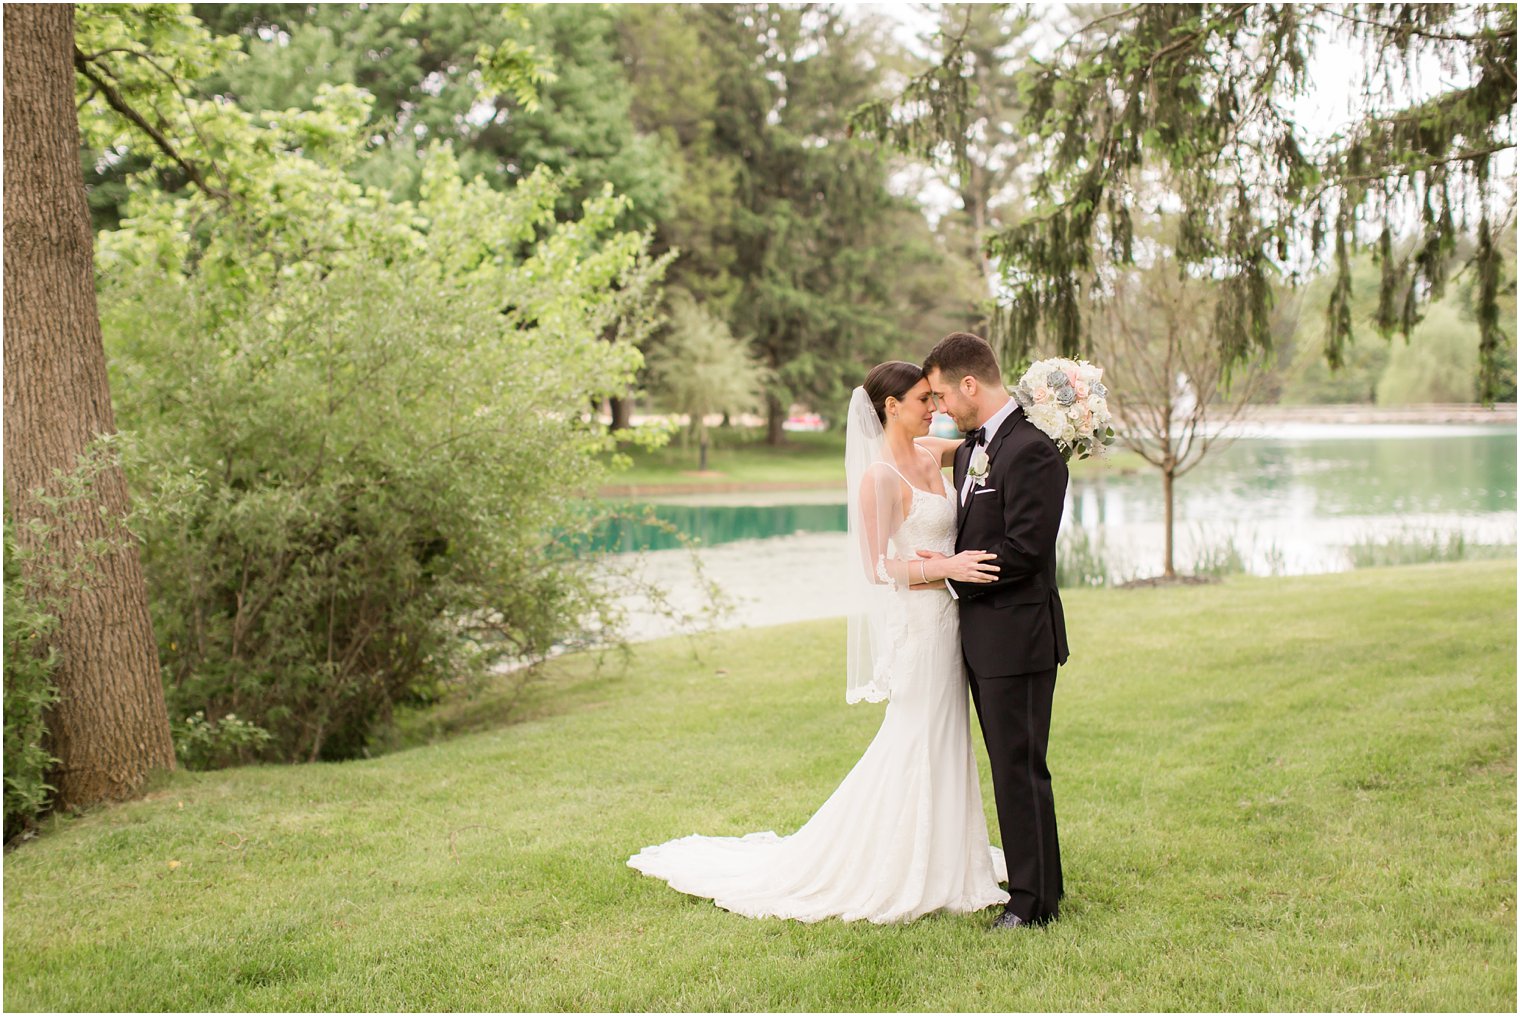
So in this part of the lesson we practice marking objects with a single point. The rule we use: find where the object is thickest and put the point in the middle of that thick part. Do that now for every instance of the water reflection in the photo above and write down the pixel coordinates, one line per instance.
(1300, 482)
(713, 525)
(1286, 505)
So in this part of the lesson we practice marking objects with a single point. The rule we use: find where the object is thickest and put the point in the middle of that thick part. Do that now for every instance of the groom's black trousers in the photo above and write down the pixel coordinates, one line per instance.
(1014, 713)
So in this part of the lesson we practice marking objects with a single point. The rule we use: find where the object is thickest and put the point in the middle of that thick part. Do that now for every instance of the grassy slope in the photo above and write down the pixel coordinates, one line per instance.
(1276, 794)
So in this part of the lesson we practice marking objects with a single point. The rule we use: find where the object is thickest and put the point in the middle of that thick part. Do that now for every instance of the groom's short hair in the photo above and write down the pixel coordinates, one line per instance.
(961, 353)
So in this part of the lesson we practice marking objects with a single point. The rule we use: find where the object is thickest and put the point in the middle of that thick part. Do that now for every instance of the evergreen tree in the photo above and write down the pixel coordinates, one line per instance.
(822, 248)
(1205, 92)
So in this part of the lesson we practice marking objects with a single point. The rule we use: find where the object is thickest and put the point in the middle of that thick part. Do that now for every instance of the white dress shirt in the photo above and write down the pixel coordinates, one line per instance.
(989, 430)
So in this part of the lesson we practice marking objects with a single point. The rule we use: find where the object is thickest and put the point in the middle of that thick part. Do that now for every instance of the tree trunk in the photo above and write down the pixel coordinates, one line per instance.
(975, 201)
(775, 416)
(622, 413)
(109, 727)
(702, 455)
(1167, 481)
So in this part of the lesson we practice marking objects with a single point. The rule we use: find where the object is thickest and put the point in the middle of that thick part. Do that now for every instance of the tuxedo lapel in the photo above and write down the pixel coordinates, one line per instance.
(963, 459)
(996, 441)
(962, 463)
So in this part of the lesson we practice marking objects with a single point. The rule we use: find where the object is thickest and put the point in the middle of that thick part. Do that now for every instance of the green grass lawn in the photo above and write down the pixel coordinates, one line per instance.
(1274, 794)
(740, 457)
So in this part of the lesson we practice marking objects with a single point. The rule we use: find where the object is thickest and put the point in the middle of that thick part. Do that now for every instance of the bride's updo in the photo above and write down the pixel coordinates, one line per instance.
(893, 379)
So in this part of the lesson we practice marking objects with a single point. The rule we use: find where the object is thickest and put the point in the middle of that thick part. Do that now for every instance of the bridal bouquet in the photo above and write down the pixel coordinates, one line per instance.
(1068, 401)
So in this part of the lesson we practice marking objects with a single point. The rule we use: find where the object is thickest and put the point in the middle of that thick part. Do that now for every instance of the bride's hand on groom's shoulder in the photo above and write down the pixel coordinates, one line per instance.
(967, 566)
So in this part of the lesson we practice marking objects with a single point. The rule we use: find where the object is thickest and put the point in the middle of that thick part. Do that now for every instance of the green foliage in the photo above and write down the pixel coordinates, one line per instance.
(1142, 88)
(701, 369)
(509, 67)
(512, 87)
(358, 423)
(200, 744)
(1438, 364)
(136, 67)
(1306, 377)
(29, 690)
(673, 93)
(829, 263)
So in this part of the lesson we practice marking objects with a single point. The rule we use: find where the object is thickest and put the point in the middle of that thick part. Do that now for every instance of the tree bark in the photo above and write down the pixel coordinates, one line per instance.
(1167, 482)
(622, 412)
(109, 727)
(775, 416)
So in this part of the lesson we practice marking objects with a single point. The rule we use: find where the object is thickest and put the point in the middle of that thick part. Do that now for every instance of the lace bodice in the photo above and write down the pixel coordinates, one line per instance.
(929, 525)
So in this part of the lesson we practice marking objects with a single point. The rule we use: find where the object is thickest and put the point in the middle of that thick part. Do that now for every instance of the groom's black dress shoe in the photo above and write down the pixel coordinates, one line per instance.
(1007, 920)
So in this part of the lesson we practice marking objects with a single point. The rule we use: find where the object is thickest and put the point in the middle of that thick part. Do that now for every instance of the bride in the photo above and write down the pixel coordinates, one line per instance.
(905, 833)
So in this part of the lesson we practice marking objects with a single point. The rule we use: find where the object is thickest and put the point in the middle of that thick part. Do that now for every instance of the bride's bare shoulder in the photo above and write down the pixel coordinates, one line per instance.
(942, 449)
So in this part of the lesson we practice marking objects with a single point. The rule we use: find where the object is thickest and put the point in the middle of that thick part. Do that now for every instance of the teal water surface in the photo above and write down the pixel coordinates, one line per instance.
(1467, 472)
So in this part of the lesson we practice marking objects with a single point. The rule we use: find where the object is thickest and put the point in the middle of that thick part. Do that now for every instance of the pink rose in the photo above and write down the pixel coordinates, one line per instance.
(1041, 394)
(1082, 389)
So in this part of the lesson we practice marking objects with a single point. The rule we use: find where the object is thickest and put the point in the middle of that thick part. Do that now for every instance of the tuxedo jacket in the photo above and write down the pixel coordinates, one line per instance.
(1014, 625)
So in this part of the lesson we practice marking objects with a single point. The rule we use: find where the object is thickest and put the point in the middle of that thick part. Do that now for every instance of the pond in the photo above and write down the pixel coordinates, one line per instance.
(1292, 501)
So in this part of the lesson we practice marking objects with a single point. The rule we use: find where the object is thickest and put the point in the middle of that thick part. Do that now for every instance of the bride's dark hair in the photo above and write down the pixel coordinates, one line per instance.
(893, 379)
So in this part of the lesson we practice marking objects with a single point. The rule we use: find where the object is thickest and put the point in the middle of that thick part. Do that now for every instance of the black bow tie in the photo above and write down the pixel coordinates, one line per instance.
(975, 436)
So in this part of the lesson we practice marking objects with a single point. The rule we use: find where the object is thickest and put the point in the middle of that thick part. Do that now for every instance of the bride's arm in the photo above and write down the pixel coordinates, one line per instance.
(941, 448)
(881, 513)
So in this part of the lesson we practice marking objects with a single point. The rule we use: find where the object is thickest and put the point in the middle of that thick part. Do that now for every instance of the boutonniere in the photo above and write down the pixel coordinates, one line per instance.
(977, 468)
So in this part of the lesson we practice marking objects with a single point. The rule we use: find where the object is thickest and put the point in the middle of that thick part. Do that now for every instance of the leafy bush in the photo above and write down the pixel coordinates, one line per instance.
(359, 428)
(203, 744)
(29, 690)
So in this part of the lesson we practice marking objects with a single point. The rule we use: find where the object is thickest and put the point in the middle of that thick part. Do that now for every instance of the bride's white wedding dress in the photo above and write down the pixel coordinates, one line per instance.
(905, 833)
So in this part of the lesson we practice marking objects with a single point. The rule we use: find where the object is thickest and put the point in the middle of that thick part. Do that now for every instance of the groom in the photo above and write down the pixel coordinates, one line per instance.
(1010, 484)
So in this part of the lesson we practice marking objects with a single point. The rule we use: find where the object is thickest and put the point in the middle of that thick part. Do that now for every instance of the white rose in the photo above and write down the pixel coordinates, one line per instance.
(977, 467)
(1049, 417)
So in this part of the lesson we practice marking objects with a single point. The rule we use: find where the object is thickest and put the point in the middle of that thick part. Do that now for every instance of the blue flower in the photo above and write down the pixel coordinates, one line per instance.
(1057, 379)
(1066, 396)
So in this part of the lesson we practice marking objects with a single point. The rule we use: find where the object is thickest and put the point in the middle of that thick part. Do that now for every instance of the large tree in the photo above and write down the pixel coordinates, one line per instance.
(992, 38)
(423, 64)
(109, 727)
(1206, 93)
(825, 255)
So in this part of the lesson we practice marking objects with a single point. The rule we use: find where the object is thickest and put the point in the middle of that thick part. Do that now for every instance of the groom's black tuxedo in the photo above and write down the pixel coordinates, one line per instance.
(1014, 625)
(1013, 636)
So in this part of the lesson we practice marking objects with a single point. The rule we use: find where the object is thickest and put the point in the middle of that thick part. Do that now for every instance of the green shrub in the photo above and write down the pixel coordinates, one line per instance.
(357, 435)
(203, 744)
(29, 690)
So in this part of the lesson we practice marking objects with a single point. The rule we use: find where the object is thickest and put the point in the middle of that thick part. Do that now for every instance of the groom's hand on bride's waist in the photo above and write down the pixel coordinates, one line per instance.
(973, 567)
